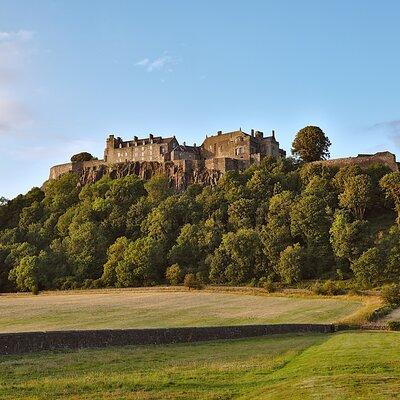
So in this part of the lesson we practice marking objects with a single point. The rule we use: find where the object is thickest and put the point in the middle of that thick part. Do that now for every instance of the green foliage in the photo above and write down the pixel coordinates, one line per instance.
(29, 274)
(311, 144)
(174, 274)
(291, 263)
(356, 195)
(327, 288)
(391, 184)
(368, 268)
(349, 239)
(245, 230)
(84, 156)
(391, 294)
(238, 258)
(192, 282)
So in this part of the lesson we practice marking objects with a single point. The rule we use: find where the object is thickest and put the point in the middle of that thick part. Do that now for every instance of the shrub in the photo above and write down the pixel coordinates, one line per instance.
(327, 288)
(267, 284)
(174, 274)
(191, 282)
(394, 325)
(391, 294)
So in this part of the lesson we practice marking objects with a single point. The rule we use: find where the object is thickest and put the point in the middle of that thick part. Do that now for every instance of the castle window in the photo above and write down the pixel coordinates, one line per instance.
(239, 151)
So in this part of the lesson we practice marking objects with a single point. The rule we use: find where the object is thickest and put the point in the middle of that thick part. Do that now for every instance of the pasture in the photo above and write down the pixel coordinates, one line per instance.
(156, 308)
(346, 365)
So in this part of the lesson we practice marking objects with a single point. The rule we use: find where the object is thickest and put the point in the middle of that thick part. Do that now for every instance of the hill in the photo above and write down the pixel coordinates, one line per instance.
(275, 224)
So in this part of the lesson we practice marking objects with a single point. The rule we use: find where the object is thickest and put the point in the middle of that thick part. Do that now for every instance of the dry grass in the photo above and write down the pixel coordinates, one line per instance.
(172, 307)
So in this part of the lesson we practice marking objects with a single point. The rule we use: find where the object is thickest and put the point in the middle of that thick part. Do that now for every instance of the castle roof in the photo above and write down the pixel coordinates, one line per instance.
(187, 149)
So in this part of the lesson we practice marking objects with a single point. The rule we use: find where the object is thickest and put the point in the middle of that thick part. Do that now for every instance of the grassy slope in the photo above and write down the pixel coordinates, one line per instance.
(362, 365)
(157, 308)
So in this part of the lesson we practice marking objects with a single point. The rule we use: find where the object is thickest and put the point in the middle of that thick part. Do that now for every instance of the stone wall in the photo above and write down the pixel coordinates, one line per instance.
(25, 342)
(365, 160)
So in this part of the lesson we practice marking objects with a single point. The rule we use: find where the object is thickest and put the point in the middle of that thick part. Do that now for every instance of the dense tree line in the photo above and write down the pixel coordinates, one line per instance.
(282, 221)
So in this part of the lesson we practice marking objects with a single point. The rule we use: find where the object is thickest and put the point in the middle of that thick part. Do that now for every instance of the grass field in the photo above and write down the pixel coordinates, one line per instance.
(160, 308)
(348, 365)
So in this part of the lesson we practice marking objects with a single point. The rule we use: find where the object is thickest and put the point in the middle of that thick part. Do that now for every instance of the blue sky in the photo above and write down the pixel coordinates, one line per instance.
(71, 72)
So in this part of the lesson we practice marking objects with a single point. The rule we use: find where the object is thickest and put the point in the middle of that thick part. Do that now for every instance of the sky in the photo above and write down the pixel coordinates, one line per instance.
(72, 72)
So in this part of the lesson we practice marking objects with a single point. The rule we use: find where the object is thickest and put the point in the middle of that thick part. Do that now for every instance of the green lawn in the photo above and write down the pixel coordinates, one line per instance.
(160, 308)
(348, 365)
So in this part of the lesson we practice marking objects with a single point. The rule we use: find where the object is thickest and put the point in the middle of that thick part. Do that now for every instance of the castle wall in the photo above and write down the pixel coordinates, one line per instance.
(365, 160)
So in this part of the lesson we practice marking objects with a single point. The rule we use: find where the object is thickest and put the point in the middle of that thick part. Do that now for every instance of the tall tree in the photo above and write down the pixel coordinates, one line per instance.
(311, 144)
(357, 195)
(391, 184)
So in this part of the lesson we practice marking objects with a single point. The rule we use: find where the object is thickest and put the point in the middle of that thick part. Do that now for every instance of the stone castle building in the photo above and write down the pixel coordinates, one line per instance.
(184, 164)
(223, 151)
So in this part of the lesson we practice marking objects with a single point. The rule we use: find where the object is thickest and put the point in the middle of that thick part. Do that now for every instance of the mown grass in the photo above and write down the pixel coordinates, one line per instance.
(348, 365)
(351, 365)
(159, 308)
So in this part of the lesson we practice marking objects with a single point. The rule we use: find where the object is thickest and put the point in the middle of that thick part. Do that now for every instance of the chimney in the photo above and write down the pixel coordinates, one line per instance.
(184, 143)
(194, 144)
(151, 136)
(135, 138)
(273, 133)
(252, 132)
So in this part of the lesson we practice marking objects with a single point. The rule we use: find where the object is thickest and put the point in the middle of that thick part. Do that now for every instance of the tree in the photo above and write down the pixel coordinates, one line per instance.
(29, 274)
(238, 259)
(84, 156)
(349, 239)
(174, 274)
(291, 263)
(356, 195)
(311, 144)
(391, 184)
(242, 213)
(368, 268)
(158, 188)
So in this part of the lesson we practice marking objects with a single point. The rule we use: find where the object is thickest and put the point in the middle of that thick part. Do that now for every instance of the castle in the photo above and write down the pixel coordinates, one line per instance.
(185, 164)
(219, 153)
(223, 151)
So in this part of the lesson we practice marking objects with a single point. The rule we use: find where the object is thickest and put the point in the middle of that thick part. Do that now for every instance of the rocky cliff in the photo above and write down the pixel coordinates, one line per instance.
(181, 173)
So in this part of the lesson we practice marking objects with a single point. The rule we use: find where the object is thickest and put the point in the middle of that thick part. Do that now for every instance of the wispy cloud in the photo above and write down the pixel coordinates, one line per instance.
(166, 62)
(143, 63)
(389, 128)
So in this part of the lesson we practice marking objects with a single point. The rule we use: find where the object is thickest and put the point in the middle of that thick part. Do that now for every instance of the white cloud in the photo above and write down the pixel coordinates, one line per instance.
(162, 63)
(143, 63)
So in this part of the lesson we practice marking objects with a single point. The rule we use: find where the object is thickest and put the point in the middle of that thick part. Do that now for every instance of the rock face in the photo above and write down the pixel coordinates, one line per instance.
(181, 173)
